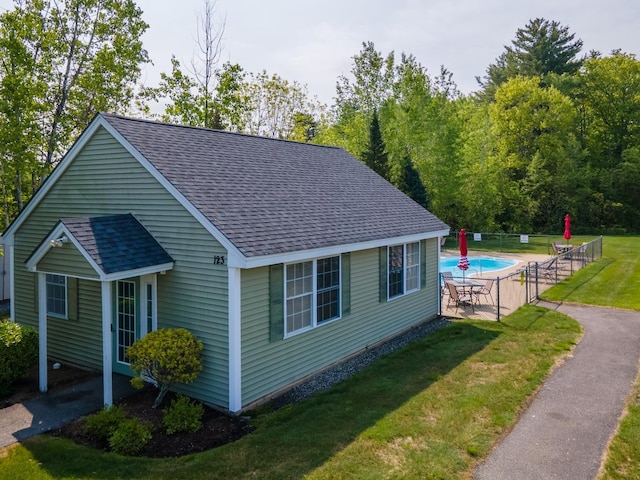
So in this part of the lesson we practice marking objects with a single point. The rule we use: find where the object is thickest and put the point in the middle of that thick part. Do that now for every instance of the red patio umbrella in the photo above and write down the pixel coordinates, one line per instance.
(567, 228)
(463, 264)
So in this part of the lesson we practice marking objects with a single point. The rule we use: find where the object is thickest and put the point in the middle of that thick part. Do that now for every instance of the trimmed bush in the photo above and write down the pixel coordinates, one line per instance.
(18, 352)
(165, 357)
(184, 415)
(105, 422)
(129, 438)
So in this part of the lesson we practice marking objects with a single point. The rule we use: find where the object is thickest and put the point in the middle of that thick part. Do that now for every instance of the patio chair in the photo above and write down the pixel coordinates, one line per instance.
(460, 298)
(485, 290)
(446, 277)
(557, 248)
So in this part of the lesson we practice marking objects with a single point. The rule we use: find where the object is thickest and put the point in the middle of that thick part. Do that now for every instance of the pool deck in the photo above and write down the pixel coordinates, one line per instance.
(513, 293)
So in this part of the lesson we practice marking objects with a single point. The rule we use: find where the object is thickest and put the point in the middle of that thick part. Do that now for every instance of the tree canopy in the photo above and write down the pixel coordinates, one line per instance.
(550, 132)
(541, 48)
(60, 63)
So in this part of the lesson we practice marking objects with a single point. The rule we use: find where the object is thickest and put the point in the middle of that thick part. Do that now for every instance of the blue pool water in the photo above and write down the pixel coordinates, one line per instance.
(476, 264)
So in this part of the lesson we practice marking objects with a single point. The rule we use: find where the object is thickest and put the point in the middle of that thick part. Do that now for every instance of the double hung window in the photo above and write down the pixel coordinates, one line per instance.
(312, 291)
(403, 269)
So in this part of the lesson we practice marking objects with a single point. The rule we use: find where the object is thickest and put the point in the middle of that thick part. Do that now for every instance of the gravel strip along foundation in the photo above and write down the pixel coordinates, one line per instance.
(353, 365)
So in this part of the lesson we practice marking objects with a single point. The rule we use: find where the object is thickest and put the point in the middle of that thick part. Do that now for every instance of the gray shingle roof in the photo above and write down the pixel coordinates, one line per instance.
(271, 196)
(117, 243)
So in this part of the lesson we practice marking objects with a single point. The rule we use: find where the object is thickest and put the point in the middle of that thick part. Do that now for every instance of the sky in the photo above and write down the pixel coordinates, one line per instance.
(314, 43)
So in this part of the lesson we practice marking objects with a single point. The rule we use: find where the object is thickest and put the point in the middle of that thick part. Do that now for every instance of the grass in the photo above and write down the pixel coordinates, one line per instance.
(612, 281)
(430, 410)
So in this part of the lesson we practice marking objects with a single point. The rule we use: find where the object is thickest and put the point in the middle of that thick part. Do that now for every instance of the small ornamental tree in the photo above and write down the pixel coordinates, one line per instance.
(165, 357)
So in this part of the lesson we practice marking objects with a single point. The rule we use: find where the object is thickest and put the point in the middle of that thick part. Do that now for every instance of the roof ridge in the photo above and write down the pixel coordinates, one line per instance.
(205, 129)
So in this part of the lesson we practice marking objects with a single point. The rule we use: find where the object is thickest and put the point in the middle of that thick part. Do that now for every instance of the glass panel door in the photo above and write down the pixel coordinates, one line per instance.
(127, 321)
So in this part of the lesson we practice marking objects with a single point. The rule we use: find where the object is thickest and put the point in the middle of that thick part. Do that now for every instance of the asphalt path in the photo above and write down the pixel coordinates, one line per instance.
(565, 431)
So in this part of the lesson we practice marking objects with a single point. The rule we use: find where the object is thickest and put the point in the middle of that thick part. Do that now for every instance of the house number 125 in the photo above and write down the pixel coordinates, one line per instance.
(218, 260)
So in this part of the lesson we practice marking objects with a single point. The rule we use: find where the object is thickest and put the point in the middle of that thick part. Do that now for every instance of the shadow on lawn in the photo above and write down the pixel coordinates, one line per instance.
(575, 282)
(297, 439)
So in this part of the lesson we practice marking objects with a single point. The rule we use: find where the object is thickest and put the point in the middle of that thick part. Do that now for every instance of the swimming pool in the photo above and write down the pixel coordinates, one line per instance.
(476, 264)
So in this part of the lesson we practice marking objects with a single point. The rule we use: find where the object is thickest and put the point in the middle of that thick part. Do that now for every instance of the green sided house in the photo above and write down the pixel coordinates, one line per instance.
(283, 258)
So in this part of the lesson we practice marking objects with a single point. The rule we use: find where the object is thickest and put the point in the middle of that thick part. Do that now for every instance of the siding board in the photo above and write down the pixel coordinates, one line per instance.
(267, 366)
(104, 180)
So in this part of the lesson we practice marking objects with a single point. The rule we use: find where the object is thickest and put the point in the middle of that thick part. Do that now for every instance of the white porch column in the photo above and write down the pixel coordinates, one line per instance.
(42, 330)
(107, 350)
(12, 281)
(235, 341)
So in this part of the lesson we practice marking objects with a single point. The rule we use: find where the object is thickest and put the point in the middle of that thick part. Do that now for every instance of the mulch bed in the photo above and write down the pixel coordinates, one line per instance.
(218, 428)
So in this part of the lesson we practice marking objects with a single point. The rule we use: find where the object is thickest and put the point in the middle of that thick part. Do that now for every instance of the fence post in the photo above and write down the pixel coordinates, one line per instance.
(498, 298)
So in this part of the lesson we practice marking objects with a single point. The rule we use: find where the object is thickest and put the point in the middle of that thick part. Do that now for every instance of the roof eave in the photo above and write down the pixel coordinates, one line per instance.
(138, 272)
(289, 257)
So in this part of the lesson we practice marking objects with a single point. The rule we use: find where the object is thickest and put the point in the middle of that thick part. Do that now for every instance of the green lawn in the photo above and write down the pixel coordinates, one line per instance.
(613, 281)
(427, 411)
(431, 410)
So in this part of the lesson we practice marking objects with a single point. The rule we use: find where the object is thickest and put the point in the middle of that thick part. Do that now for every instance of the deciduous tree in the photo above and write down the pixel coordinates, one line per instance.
(61, 63)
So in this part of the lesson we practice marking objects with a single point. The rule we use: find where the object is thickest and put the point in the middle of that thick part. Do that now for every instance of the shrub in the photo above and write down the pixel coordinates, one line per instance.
(104, 423)
(165, 357)
(129, 438)
(184, 415)
(18, 352)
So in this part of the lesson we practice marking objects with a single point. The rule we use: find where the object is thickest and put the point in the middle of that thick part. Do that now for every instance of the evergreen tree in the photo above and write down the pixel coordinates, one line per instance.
(409, 182)
(541, 48)
(375, 156)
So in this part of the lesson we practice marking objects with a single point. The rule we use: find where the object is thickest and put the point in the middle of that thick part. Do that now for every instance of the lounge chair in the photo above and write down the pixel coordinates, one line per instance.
(485, 290)
(460, 298)
(549, 269)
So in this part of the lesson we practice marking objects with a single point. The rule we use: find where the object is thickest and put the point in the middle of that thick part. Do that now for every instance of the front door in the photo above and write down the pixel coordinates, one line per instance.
(135, 315)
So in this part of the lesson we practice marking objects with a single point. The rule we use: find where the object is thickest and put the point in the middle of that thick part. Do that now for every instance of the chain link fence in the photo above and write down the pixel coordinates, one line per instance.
(491, 298)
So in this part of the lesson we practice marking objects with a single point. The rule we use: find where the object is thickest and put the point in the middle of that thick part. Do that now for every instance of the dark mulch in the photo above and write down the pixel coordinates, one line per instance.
(218, 428)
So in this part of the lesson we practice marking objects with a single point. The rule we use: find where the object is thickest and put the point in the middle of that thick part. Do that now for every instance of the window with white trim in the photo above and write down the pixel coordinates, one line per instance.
(312, 293)
(56, 295)
(403, 269)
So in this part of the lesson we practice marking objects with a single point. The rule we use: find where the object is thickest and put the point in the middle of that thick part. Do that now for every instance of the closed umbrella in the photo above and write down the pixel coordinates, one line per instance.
(567, 228)
(463, 264)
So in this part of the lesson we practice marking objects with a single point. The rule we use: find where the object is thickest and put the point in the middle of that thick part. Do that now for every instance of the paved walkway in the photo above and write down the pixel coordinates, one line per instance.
(51, 410)
(565, 431)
